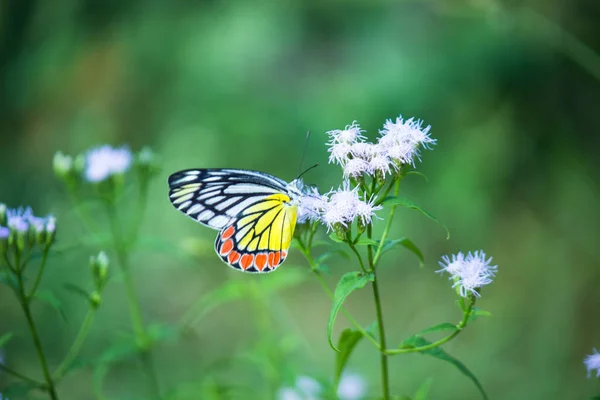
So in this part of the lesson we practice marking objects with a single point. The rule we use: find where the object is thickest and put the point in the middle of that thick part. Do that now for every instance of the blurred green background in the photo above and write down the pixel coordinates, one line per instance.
(511, 92)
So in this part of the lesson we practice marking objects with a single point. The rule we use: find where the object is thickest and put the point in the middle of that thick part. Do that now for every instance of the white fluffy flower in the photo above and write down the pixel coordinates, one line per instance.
(352, 387)
(365, 210)
(311, 205)
(350, 134)
(402, 139)
(363, 150)
(340, 153)
(104, 161)
(469, 272)
(355, 167)
(345, 206)
(592, 362)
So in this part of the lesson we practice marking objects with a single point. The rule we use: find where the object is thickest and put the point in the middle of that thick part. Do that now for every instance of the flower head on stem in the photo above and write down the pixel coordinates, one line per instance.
(469, 272)
(592, 362)
(105, 161)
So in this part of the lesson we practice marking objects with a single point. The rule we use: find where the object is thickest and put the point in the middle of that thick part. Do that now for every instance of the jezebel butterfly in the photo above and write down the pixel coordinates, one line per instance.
(254, 212)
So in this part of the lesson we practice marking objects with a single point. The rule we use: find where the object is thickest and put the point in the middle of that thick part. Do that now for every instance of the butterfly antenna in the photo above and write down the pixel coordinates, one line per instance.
(308, 169)
(303, 154)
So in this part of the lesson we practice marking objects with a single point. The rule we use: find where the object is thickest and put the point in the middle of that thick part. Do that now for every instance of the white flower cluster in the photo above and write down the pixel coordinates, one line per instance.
(21, 220)
(398, 144)
(351, 387)
(469, 272)
(98, 163)
(105, 161)
(592, 362)
(341, 206)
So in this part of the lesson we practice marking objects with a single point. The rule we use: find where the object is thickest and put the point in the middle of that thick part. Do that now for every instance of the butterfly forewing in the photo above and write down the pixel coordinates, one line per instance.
(251, 209)
(215, 197)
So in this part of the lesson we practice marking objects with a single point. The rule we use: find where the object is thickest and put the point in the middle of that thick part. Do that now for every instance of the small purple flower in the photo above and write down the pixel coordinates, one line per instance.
(18, 219)
(592, 362)
(4, 232)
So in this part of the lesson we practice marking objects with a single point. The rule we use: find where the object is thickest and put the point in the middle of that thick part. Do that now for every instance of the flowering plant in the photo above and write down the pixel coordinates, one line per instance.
(372, 173)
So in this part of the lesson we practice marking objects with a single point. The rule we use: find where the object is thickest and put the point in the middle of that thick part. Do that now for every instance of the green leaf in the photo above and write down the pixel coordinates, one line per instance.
(437, 352)
(346, 344)
(423, 390)
(8, 278)
(444, 326)
(4, 339)
(348, 283)
(335, 238)
(408, 244)
(17, 390)
(422, 175)
(348, 340)
(478, 312)
(49, 298)
(364, 241)
(230, 291)
(77, 290)
(400, 201)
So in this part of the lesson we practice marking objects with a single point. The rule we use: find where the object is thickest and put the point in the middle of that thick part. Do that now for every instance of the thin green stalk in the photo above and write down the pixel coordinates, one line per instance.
(23, 300)
(8, 371)
(383, 359)
(135, 311)
(459, 327)
(40, 272)
(388, 225)
(76, 346)
(360, 261)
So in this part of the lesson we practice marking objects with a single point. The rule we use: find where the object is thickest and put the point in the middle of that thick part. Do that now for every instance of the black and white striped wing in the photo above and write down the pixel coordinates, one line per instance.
(215, 197)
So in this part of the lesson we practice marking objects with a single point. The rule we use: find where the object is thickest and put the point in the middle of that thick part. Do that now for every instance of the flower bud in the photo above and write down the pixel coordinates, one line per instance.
(4, 234)
(340, 230)
(63, 166)
(50, 230)
(95, 299)
(79, 164)
(37, 232)
(2, 214)
(99, 265)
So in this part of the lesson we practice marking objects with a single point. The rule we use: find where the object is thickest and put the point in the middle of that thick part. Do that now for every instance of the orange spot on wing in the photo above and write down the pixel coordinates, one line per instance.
(271, 260)
(261, 261)
(246, 261)
(227, 233)
(283, 254)
(233, 257)
(277, 259)
(226, 247)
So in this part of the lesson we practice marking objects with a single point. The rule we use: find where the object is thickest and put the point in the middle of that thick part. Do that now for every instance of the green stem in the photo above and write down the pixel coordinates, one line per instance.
(135, 311)
(18, 375)
(388, 225)
(40, 272)
(76, 346)
(383, 357)
(360, 261)
(459, 327)
(34, 334)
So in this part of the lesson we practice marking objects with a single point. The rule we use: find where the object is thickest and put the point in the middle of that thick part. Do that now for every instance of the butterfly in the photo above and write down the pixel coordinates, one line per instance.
(254, 212)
